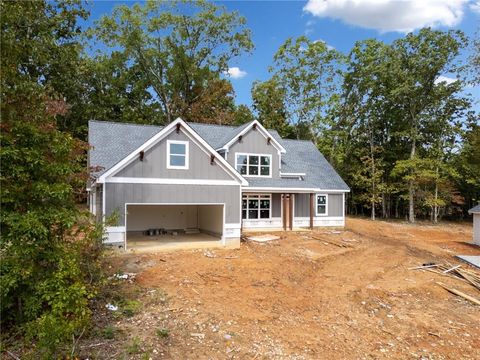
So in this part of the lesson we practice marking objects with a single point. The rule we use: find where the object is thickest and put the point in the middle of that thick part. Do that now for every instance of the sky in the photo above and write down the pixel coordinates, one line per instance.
(340, 23)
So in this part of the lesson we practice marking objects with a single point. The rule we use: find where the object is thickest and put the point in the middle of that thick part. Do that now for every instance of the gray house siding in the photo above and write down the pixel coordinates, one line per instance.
(302, 205)
(99, 202)
(118, 195)
(276, 205)
(335, 205)
(154, 164)
(254, 142)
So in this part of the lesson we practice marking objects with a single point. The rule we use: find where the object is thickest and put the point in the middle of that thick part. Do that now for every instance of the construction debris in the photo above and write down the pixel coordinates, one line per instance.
(263, 238)
(459, 293)
(454, 271)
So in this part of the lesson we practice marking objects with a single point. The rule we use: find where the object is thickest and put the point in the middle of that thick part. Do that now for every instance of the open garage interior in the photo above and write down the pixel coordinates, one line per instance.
(163, 225)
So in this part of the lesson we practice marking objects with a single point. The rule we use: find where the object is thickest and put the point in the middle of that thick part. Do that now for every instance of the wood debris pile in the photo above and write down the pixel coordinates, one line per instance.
(471, 277)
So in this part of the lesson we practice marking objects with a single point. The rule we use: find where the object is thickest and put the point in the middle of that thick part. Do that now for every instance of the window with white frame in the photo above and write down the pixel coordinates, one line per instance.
(321, 205)
(254, 164)
(177, 154)
(256, 206)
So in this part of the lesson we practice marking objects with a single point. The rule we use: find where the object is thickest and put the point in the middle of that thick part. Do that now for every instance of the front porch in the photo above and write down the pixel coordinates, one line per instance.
(291, 211)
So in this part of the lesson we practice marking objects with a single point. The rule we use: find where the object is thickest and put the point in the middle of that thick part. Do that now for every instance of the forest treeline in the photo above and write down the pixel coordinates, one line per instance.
(389, 117)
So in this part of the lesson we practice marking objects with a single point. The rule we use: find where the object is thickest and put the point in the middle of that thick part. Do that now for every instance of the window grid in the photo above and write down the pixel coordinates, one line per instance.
(256, 207)
(177, 154)
(253, 165)
(321, 205)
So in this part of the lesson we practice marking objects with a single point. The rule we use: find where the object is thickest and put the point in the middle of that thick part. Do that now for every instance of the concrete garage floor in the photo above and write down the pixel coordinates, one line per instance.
(142, 243)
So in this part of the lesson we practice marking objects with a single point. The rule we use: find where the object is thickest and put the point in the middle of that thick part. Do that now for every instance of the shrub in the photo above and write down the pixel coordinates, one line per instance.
(163, 333)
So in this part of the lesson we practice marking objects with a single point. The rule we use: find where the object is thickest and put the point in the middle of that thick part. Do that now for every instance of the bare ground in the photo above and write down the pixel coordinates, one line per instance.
(301, 297)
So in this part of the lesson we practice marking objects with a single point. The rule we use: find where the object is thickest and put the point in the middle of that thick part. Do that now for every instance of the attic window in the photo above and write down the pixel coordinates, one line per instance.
(177, 154)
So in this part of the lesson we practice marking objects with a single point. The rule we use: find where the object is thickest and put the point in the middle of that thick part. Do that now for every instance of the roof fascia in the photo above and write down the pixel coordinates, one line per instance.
(263, 131)
(158, 137)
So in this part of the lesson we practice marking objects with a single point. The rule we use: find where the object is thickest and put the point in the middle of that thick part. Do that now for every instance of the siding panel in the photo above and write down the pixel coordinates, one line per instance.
(335, 205)
(254, 142)
(119, 194)
(154, 164)
(276, 205)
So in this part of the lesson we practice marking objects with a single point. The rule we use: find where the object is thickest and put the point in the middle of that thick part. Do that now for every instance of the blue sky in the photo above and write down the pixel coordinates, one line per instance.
(338, 22)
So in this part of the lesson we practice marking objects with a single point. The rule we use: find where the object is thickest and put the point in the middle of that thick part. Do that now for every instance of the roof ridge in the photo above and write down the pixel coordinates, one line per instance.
(208, 124)
(125, 123)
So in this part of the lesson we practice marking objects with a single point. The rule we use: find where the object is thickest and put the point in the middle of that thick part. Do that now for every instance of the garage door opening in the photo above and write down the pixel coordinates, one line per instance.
(149, 226)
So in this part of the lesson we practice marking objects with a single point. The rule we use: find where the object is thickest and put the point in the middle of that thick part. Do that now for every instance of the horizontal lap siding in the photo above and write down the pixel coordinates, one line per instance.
(119, 194)
(154, 164)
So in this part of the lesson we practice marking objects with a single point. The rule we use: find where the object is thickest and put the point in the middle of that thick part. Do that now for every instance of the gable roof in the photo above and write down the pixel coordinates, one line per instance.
(303, 157)
(243, 129)
(111, 142)
(475, 210)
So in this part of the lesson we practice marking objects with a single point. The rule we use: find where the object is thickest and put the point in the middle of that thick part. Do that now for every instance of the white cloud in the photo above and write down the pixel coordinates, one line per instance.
(475, 6)
(329, 47)
(445, 79)
(236, 73)
(390, 15)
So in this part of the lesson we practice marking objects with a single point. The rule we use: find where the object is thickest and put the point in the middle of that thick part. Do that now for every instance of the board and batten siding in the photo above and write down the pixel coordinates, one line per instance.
(253, 142)
(276, 205)
(476, 228)
(154, 164)
(334, 203)
(118, 194)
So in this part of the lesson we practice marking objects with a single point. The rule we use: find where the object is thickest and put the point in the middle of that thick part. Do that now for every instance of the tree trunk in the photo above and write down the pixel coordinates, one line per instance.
(435, 206)
(411, 188)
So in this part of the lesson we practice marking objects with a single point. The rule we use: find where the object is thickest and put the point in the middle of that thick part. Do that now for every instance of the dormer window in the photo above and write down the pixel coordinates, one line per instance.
(177, 154)
(253, 165)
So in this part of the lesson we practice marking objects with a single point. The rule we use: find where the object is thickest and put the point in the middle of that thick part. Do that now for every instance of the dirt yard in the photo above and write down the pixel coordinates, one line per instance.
(338, 294)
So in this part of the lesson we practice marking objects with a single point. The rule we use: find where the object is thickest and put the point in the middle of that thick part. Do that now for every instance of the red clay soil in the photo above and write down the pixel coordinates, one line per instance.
(345, 294)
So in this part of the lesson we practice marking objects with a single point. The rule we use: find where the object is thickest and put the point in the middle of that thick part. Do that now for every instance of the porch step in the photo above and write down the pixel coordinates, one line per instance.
(192, 231)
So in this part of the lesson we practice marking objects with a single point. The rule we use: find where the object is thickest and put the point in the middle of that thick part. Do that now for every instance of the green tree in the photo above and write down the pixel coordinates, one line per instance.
(416, 62)
(310, 74)
(269, 104)
(182, 57)
(48, 255)
(243, 115)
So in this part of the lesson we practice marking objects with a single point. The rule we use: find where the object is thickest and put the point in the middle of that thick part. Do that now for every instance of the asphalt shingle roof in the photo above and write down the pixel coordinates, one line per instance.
(475, 209)
(111, 142)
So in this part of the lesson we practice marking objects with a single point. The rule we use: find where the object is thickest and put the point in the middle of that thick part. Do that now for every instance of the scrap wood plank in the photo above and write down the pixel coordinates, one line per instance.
(459, 293)
(333, 242)
(451, 269)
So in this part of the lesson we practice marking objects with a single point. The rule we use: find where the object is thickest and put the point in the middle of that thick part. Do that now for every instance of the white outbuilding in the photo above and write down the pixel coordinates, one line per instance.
(475, 211)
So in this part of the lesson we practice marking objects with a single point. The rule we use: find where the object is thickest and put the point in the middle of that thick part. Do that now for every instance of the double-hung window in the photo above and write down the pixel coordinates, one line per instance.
(321, 205)
(256, 206)
(254, 165)
(177, 154)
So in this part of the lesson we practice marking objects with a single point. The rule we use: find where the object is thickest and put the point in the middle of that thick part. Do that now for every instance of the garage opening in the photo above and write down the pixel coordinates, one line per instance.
(177, 226)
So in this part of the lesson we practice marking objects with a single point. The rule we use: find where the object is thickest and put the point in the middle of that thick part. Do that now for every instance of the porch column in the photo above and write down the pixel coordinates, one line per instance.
(284, 212)
(311, 211)
(290, 212)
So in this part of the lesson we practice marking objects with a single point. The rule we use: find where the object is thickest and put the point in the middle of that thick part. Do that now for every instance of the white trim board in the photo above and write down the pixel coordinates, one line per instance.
(190, 133)
(186, 155)
(168, 181)
(262, 131)
(291, 190)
